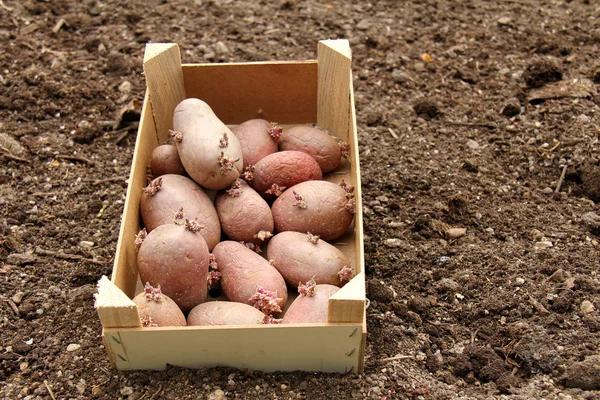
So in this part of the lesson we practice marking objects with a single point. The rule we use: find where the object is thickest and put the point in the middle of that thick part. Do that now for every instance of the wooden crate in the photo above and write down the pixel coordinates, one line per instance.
(287, 92)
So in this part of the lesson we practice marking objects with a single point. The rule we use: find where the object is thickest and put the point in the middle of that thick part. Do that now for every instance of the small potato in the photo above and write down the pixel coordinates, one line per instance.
(285, 169)
(165, 160)
(310, 309)
(244, 214)
(160, 202)
(243, 271)
(157, 309)
(176, 257)
(257, 138)
(319, 207)
(209, 151)
(313, 141)
(224, 313)
(300, 257)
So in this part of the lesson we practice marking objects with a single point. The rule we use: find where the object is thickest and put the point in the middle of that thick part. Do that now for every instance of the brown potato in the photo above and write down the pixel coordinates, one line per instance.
(299, 259)
(157, 309)
(244, 271)
(176, 257)
(285, 169)
(319, 207)
(310, 309)
(165, 160)
(159, 205)
(209, 151)
(224, 313)
(243, 213)
(255, 139)
(315, 142)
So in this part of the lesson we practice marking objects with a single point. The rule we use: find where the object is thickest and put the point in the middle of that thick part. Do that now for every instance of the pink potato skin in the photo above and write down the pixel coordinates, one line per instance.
(310, 309)
(298, 260)
(285, 168)
(243, 271)
(243, 216)
(177, 192)
(164, 313)
(176, 259)
(165, 160)
(214, 313)
(323, 147)
(325, 214)
(255, 140)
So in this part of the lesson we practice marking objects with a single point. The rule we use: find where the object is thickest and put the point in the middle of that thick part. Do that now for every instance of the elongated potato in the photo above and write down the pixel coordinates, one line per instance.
(209, 151)
(165, 160)
(313, 141)
(176, 257)
(224, 313)
(167, 194)
(285, 169)
(319, 207)
(244, 214)
(243, 272)
(157, 309)
(310, 309)
(258, 139)
(300, 257)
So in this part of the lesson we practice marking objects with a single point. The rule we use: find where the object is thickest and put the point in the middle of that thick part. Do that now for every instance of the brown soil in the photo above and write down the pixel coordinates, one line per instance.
(508, 309)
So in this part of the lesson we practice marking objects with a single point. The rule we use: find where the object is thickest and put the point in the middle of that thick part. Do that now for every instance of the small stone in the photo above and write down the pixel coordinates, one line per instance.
(73, 347)
(219, 394)
(21, 258)
(547, 190)
(419, 67)
(18, 297)
(126, 391)
(86, 244)
(221, 48)
(544, 244)
(393, 242)
(519, 282)
(591, 220)
(81, 386)
(455, 233)
(23, 366)
(283, 387)
(504, 20)
(472, 144)
(97, 391)
(399, 76)
(587, 307)
(125, 87)
(363, 25)
(489, 231)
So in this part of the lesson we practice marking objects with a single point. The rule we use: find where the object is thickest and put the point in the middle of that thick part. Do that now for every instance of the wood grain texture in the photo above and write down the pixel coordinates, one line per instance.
(114, 308)
(334, 81)
(164, 79)
(306, 347)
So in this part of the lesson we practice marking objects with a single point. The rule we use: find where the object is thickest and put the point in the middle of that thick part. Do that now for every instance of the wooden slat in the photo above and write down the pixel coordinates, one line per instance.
(348, 304)
(334, 59)
(125, 269)
(164, 78)
(114, 307)
(308, 347)
(282, 92)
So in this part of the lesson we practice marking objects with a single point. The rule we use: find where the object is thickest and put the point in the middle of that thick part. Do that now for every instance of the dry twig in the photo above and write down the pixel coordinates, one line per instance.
(76, 158)
(561, 179)
(66, 256)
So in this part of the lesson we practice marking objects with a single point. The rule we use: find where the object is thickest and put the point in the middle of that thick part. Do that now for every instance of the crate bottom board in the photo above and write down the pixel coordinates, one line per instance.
(311, 347)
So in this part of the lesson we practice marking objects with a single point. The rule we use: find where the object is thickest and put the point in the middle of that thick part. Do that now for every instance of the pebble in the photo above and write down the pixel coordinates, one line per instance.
(587, 307)
(217, 395)
(394, 242)
(97, 391)
(86, 244)
(455, 233)
(544, 244)
(519, 282)
(504, 20)
(400, 76)
(472, 144)
(447, 285)
(363, 25)
(125, 87)
(221, 48)
(73, 347)
(126, 391)
(547, 190)
(18, 298)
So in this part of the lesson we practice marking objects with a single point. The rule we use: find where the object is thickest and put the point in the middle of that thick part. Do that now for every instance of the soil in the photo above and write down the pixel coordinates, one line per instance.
(481, 221)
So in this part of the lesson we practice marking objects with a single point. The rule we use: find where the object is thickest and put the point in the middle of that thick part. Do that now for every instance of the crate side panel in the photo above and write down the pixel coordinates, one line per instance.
(125, 269)
(283, 92)
(310, 347)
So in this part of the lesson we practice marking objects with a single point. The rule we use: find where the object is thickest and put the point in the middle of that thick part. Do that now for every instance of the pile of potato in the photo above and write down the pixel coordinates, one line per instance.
(270, 195)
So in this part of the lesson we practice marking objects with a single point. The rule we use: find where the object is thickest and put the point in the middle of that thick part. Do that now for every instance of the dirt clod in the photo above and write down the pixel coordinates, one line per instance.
(539, 73)
(585, 374)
